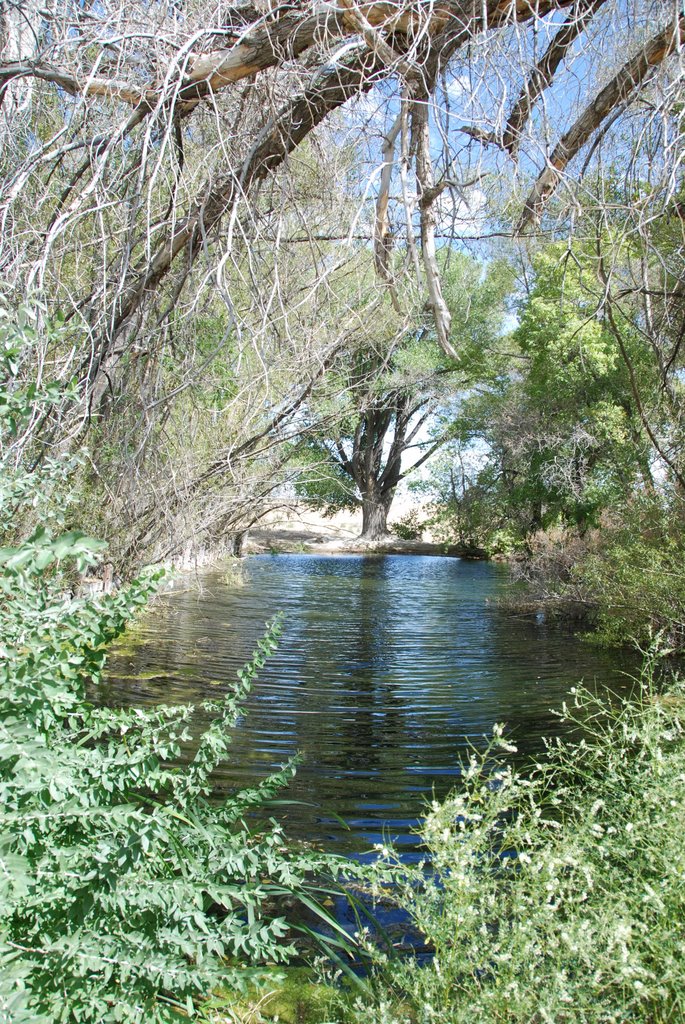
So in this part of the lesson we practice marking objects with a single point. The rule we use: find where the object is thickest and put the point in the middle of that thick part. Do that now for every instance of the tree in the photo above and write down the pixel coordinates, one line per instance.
(568, 414)
(151, 168)
(393, 397)
(372, 456)
(464, 506)
(140, 134)
(590, 450)
(372, 408)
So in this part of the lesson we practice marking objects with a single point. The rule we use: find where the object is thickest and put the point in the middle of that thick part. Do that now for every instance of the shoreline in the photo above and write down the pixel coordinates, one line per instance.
(289, 540)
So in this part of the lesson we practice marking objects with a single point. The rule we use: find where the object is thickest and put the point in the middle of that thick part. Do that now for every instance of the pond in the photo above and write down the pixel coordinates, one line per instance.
(388, 669)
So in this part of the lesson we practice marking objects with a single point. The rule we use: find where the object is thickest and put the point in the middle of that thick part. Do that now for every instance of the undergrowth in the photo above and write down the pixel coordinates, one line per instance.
(557, 895)
(126, 892)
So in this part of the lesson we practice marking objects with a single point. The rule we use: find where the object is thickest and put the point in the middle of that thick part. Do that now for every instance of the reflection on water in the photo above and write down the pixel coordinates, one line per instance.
(389, 667)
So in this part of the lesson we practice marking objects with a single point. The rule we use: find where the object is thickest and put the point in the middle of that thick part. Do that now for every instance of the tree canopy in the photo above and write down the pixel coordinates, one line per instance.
(194, 189)
(147, 141)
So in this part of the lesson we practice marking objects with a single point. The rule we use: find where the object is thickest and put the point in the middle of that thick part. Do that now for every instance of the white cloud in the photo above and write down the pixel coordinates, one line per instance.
(459, 88)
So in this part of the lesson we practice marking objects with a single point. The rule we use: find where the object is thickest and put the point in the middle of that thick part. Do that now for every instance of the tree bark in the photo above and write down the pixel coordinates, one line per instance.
(375, 509)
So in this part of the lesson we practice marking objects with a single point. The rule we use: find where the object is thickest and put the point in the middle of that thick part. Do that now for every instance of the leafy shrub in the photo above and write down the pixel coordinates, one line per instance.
(555, 896)
(409, 527)
(638, 588)
(625, 581)
(126, 892)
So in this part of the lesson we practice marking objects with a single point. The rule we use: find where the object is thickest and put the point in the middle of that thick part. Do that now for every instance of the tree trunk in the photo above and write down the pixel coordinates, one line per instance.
(375, 516)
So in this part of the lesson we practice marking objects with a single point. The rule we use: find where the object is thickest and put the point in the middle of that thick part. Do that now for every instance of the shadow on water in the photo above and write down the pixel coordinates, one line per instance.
(388, 669)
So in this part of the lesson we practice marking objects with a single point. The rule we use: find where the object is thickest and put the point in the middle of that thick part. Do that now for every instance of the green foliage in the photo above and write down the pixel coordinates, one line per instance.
(467, 505)
(477, 296)
(551, 420)
(580, 447)
(636, 580)
(126, 892)
(410, 526)
(321, 480)
(554, 896)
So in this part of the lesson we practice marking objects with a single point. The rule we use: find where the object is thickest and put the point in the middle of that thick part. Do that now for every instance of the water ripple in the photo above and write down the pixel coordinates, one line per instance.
(389, 669)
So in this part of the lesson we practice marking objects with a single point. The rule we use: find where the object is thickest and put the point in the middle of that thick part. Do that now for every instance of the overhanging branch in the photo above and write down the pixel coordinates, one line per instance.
(619, 89)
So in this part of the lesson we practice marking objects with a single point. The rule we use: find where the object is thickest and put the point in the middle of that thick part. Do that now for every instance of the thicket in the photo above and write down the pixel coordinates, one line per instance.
(567, 447)
(636, 585)
(126, 892)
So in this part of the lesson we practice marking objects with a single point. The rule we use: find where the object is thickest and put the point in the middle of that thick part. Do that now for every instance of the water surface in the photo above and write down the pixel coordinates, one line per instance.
(388, 668)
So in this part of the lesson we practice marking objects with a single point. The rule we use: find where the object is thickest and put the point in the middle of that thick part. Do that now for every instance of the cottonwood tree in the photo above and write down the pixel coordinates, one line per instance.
(143, 133)
(358, 457)
(148, 154)
(567, 420)
(386, 405)
(640, 298)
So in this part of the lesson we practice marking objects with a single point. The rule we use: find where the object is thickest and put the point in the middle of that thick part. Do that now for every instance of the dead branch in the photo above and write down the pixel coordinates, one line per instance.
(620, 88)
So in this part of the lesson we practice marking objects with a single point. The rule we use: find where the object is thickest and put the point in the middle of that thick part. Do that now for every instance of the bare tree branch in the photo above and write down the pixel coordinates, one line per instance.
(623, 85)
(427, 197)
(543, 74)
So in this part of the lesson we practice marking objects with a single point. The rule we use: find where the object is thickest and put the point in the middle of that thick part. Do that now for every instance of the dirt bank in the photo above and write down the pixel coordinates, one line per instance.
(306, 532)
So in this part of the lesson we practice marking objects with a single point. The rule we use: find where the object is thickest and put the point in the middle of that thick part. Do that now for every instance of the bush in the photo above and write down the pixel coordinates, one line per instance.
(638, 589)
(625, 580)
(409, 527)
(555, 896)
(126, 892)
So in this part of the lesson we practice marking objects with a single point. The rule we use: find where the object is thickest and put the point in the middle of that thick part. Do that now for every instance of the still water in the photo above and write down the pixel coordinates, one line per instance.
(388, 668)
